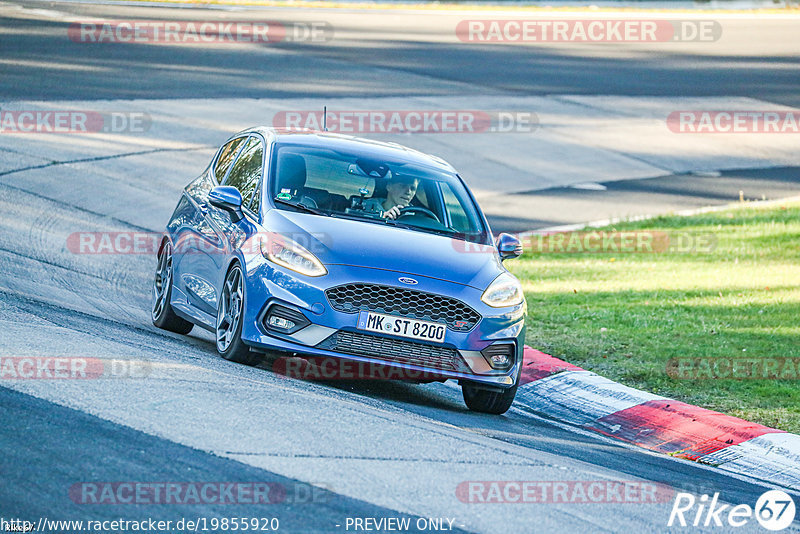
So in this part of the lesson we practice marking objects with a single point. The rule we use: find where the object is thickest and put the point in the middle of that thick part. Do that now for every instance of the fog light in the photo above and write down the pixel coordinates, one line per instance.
(280, 322)
(500, 355)
(499, 360)
(284, 320)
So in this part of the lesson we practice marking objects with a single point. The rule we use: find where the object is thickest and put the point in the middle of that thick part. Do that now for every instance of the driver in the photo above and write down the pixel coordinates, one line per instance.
(399, 194)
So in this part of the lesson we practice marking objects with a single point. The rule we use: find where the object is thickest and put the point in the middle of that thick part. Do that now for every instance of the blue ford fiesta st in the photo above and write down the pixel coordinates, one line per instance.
(322, 245)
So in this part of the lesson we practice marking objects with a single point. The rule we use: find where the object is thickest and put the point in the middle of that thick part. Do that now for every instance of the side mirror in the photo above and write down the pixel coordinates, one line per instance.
(227, 198)
(508, 246)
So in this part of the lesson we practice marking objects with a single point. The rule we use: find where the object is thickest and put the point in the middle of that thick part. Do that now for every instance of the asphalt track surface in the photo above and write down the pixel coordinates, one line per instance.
(372, 449)
(404, 53)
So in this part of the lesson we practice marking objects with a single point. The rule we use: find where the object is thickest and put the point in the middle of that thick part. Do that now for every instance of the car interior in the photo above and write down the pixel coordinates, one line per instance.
(316, 189)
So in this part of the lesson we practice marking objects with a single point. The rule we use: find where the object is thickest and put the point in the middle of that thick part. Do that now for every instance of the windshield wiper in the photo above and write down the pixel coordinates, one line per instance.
(301, 207)
(445, 232)
(448, 232)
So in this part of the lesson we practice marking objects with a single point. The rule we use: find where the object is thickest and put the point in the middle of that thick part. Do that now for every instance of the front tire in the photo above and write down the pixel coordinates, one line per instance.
(493, 402)
(229, 320)
(484, 401)
(161, 311)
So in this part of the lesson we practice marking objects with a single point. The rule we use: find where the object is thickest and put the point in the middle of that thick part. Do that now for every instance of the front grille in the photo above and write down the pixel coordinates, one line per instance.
(395, 350)
(352, 298)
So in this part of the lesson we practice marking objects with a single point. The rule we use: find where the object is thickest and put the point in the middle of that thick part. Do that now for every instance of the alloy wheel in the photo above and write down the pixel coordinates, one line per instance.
(229, 311)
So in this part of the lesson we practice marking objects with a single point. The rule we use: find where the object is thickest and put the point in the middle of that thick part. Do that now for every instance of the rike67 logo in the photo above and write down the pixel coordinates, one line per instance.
(774, 510)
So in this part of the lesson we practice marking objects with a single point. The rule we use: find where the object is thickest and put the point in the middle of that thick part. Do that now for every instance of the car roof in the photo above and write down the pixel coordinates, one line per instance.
(335, 141)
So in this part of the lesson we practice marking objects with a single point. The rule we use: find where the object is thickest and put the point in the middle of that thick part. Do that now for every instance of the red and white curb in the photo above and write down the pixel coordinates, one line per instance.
(568, 393)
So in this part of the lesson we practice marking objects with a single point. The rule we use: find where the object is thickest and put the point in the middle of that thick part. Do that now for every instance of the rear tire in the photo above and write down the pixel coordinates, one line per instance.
(229, 321)
(161, 311)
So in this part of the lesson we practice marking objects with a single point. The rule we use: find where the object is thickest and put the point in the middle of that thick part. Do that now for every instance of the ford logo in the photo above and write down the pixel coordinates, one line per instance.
(409, 281)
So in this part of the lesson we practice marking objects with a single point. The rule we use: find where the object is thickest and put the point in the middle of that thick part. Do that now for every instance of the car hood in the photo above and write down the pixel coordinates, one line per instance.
(348, 242)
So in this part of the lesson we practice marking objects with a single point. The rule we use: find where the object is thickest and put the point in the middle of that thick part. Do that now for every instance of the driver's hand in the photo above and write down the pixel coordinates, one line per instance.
(393, 213)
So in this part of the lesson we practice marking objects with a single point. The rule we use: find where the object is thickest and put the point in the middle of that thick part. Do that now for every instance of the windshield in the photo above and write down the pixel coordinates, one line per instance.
(348, 184)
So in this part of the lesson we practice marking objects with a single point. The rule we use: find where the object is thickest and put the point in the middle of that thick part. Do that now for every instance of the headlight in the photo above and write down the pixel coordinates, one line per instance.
(286, 253)
(504, 291)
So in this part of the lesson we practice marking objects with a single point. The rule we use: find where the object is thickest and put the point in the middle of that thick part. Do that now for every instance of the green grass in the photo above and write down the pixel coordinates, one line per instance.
(625, 315)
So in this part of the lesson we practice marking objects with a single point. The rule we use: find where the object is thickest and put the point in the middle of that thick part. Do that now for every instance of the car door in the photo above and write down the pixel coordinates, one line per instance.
(245, 176)
(195, 240)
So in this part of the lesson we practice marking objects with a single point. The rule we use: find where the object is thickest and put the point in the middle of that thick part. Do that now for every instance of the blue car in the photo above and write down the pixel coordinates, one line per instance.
(319, 245)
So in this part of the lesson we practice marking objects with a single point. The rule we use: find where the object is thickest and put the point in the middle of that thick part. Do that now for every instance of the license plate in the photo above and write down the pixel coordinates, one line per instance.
(401, 326)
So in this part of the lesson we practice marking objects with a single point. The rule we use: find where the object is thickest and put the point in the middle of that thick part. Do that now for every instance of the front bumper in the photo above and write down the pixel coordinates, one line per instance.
(332, 333)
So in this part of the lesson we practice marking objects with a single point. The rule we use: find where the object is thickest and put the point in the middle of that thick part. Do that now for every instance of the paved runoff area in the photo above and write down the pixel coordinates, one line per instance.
(514, 152)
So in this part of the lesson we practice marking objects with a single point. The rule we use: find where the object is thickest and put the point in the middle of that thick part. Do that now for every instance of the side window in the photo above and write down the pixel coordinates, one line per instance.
(246, 172)
(200, 187)
(226, 156)
(458, 216)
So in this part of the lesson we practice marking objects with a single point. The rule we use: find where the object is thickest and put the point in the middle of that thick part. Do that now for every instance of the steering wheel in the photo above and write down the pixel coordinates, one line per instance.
(414, 210)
